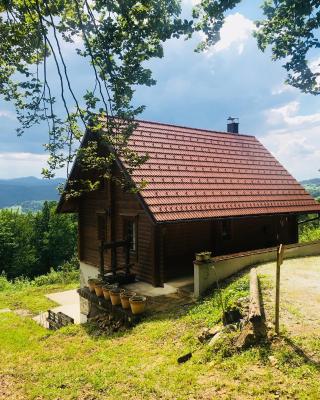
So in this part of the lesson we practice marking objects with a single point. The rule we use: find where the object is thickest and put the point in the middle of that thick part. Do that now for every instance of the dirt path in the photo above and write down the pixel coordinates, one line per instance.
(10, 389)
(300, 295)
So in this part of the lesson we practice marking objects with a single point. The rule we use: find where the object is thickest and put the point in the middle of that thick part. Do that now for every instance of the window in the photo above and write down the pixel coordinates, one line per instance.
(130, 233)
(226, 229)
(102, 226)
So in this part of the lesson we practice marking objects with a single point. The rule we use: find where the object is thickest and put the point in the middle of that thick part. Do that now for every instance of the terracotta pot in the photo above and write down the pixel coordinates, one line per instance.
(199, 257)
(138, 304)
(115, 296)
(106, 291)
(125, 296)
(92, 283)
(204, 256)
(98, 289)
(207, 255)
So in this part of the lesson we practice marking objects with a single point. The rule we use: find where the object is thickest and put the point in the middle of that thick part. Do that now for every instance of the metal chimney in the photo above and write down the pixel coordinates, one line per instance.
(233, 125)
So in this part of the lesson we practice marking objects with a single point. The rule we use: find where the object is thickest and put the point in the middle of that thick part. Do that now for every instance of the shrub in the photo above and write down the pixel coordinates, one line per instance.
(55, 277)
(309, 234)
(67, 273)
(4, 283)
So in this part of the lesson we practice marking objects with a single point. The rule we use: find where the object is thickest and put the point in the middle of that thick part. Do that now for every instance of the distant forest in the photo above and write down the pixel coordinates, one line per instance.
(313, 187)
(33, 243)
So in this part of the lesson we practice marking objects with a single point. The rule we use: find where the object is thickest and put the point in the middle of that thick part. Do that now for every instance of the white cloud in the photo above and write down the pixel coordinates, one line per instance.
(283, 88)
(18, 164)
(298, 151)
(314, 65)
(235, 32)
(287, 115)
(295, 140)
(190, 2)
(7, 114)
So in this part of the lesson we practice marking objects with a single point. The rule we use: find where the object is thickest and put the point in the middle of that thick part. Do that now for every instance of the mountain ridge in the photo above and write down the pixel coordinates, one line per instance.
(19, 190)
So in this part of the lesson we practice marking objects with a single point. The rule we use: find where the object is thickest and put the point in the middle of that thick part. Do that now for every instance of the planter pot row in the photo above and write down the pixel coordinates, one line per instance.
(117, 296)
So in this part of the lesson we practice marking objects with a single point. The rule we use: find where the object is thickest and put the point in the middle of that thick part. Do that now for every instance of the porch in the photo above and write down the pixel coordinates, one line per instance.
(79, 305)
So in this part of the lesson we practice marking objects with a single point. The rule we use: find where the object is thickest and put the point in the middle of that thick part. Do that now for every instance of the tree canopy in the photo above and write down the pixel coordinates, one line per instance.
(117, 37)
(33, 243)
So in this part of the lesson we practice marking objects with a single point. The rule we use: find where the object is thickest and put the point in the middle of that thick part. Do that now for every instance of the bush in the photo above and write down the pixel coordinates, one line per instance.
(309, 234)
(4, 283)
(54, 277)
(67, 273)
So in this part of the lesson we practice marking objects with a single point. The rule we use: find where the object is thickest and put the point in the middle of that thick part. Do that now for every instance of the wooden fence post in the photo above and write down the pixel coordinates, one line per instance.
(280, 251)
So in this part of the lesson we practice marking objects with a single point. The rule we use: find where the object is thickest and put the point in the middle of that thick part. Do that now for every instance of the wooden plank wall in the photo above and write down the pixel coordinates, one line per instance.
(125, 204)
(90, 204)
(183, 240)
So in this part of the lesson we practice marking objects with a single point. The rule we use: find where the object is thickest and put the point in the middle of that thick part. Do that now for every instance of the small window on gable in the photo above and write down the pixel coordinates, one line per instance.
(102, 226)
(130, 233)
(226, 229)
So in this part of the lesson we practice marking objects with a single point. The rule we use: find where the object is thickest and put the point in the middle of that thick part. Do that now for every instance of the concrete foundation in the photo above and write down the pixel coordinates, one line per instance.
(86, 272)
(219, 268)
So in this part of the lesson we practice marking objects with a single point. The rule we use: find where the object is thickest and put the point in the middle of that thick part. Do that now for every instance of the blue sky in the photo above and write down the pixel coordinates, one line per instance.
(202, 90)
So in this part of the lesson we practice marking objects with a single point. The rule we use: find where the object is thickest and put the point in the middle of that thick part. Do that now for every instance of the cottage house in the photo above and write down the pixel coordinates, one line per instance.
(207, 190)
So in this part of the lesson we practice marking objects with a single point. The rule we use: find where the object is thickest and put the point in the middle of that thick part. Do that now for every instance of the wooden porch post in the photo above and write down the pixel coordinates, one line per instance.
(112, 202)
(101, 259)
(157, 276)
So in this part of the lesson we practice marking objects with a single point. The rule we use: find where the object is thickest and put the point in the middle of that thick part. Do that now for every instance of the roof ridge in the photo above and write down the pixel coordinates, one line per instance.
(191, 128)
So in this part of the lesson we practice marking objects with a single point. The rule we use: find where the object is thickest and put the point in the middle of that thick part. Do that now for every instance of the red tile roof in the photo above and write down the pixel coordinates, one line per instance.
(195, 173)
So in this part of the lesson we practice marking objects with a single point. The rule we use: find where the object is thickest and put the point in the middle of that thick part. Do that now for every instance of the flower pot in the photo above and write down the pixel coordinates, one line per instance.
(115, 296)
(106, 291)
(92, 283)
(204, 256)
(125, 296)
(98, 288)
(138, 304)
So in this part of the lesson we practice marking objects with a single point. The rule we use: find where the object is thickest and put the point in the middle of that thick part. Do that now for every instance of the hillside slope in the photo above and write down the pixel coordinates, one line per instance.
(80, 362)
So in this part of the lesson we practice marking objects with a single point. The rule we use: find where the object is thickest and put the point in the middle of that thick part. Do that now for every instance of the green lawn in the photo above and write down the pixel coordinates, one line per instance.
(76, 363)
(31, 298)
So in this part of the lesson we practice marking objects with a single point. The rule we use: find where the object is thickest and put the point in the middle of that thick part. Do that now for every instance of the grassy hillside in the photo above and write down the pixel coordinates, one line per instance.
(15, 192)
(79, 363)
